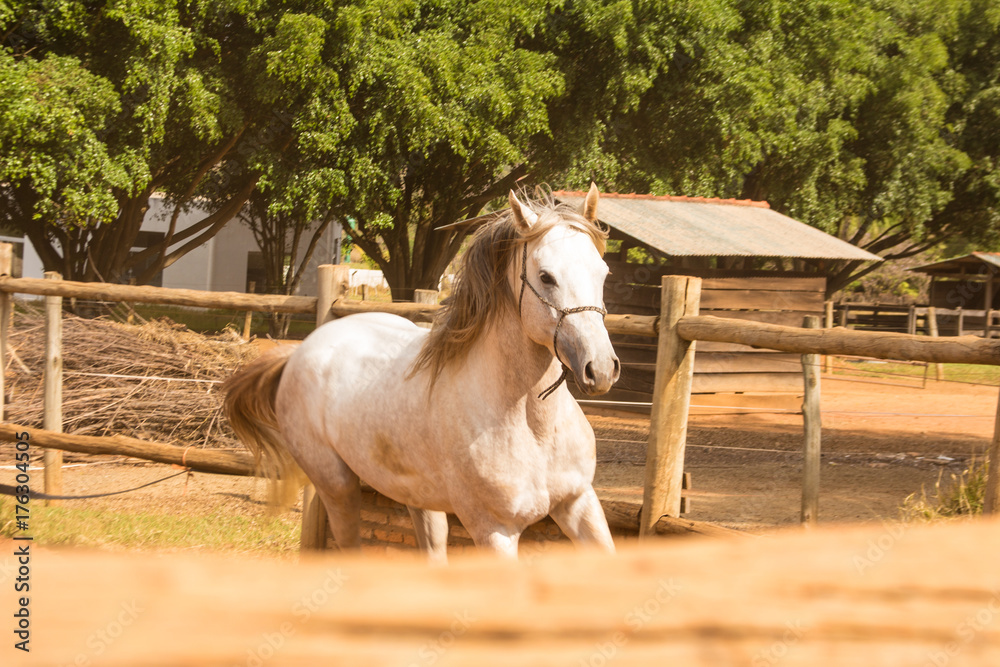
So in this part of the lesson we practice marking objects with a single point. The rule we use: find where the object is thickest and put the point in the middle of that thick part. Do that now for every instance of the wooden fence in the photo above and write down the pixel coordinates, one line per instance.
(681, 326)
(718, 367)
(932, 321)
(676, 328)
(330, 303)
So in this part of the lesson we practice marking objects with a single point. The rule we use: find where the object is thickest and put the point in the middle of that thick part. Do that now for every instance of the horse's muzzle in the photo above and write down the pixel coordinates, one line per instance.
(599, 376)
(586, 349)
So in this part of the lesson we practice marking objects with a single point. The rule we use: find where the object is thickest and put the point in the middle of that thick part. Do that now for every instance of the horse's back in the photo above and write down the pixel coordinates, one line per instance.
(346, 395)
(344, 369)
(367, 344)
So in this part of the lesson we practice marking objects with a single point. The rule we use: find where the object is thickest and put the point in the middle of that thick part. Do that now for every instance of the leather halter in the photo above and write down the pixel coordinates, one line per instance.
(563, 312)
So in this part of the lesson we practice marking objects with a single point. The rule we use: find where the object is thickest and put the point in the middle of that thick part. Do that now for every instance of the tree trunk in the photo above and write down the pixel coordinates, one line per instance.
(277, 325)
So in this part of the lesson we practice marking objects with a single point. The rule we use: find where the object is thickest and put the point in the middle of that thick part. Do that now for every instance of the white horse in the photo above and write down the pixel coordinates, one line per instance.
(472, 418)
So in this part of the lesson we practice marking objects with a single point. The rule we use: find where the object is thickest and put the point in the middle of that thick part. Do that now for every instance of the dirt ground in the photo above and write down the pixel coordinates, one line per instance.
(881, 443)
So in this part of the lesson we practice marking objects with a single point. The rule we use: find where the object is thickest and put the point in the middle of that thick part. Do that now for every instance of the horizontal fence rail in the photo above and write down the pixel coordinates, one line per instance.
(634, 325)
(203, 460)
(267, 303)
(956, 350)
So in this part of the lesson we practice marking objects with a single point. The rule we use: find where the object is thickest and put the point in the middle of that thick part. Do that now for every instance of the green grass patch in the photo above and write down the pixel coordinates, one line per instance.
(962, 496)
(975, 373)
(217, 320)
(116, 530)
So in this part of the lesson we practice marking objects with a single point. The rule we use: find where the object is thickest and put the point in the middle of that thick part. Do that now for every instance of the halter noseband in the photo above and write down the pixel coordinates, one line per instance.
(563, 312)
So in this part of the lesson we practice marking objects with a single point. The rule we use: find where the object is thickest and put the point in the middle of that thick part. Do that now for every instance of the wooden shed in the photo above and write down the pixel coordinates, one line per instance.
(757, 264)
(971, 282)
(966, 293)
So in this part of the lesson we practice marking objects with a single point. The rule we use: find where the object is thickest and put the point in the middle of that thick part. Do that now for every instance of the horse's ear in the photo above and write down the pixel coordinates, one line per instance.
(524, 217)
(590, 203)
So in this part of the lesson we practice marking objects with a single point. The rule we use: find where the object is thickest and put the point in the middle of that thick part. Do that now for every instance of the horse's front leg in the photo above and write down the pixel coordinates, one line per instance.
(498, 541)
(431, 529)
(492, 537)
(581, 517)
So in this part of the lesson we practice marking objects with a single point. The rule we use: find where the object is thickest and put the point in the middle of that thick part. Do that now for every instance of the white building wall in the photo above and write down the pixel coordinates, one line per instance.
(220, 265)
(32, 266)
(226, 264)
(327, 252)
(192, 270)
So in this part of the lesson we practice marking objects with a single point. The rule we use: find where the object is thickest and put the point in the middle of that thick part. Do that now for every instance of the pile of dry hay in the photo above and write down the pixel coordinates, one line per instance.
(172, 392)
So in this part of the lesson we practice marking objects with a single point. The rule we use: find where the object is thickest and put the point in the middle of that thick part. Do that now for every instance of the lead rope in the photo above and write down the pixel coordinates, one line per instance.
(563, 312)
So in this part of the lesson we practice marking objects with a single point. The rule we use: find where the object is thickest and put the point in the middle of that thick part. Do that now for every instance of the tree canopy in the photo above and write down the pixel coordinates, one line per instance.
(865, 119)
(203, 102)
(872, 119)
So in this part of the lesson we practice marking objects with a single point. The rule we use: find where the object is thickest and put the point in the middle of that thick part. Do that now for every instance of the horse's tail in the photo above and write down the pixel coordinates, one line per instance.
(249, 406)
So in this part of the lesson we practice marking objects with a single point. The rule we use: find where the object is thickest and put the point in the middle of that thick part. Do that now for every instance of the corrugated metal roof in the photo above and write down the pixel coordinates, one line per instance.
(991, 258)
(695, 226)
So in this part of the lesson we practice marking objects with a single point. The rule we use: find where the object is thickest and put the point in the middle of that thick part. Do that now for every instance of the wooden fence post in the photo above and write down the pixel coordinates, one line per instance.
(812, 426)
(333, 283)
(679, 296)
(991, 499)
(52, 419)
(425, 296)
(911, 320)
(248, 320)
(828, 323)
(6, 300)
(932, 326)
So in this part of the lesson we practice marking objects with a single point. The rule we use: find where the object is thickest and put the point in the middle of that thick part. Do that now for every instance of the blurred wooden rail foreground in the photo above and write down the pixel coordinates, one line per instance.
(878, 595)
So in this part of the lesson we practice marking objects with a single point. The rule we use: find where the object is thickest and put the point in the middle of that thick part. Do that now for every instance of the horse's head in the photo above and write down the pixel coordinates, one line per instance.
(560, 288)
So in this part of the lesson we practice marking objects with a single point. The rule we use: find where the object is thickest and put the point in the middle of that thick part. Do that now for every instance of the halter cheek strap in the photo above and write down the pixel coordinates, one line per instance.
(563, 312)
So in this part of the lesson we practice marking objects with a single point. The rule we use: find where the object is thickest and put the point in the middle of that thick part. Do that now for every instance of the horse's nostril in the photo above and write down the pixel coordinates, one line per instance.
(618, 366)
(589, 372)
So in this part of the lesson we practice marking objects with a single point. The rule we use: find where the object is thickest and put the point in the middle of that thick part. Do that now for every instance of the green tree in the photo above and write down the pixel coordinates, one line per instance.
(457, 102)
(872, 120)
(847, 114)
(53, 165)
(288, 240)
(198, 101)
(445, 104)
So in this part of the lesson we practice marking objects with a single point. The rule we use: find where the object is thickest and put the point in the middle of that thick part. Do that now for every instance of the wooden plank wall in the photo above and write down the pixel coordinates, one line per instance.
(719, 367)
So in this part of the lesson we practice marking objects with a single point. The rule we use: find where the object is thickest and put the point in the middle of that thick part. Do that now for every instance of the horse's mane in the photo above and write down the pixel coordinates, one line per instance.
(481, 292)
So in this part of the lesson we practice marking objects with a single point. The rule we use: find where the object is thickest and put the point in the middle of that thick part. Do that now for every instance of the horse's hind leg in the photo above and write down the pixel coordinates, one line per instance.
(343, 512)
(339, 489)
(431, 528)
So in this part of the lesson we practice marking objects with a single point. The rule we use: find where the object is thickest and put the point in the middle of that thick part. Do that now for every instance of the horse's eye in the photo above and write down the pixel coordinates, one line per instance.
(546, 278)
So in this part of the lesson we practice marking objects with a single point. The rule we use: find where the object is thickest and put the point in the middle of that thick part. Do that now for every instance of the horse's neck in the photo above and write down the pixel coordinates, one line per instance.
(520, 367)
